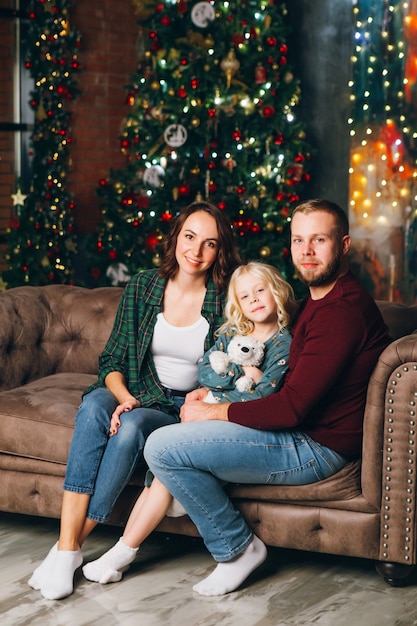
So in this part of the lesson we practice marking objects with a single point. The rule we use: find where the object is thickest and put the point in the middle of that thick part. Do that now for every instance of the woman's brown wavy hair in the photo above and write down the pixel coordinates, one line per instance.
(227, 256)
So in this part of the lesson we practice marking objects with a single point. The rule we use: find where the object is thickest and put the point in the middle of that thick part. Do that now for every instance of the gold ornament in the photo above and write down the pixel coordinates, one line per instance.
(254, 202)
(195, 122)
(156, 260)
(269, 226)
(40, 112)
(230, 66)
(265, 251)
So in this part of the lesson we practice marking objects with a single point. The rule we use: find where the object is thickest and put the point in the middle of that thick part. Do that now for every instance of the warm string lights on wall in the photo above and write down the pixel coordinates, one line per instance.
(383, 171)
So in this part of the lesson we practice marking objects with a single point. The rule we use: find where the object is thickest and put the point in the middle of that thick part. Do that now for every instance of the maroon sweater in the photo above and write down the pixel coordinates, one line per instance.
(336, 343)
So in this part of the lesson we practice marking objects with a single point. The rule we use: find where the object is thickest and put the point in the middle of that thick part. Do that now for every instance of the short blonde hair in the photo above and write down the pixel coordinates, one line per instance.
(281, 290)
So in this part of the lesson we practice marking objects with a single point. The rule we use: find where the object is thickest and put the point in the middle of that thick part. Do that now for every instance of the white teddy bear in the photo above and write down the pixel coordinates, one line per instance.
(242, 350)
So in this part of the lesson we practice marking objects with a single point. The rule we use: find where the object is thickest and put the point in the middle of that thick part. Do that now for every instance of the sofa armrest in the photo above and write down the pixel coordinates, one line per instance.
(390, 449)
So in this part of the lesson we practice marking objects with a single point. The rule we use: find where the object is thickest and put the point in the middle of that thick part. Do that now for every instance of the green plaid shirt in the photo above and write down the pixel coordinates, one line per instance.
(127, 349)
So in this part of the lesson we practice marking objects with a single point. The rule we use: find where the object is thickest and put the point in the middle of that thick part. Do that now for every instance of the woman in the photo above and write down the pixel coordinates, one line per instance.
(165, 321)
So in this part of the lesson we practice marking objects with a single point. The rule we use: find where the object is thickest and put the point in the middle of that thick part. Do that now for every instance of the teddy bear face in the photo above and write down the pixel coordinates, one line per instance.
(245, 350)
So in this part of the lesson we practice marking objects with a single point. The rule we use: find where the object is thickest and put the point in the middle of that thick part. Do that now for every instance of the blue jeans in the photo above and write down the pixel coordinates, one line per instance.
(192, 460)
(100, 465)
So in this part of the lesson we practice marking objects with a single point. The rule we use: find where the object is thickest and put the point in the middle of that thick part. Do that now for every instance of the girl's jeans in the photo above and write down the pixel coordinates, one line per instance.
(101, 465)
(192, 459)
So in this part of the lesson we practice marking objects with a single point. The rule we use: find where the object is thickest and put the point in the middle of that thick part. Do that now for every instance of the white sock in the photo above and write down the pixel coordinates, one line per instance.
(41, 573)
(111, 565)
(230, 575)
(60, 582)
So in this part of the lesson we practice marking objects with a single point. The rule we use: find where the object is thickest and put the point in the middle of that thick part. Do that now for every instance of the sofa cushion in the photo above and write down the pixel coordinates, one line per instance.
(344, 485)
(37, 419)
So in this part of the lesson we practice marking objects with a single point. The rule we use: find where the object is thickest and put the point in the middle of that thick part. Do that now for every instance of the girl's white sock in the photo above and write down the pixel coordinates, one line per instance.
(41, 573)
(230, 575)
(111, 565)
(60, 581)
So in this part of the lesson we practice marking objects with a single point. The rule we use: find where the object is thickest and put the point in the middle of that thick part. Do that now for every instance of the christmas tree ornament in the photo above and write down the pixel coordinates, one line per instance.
(154, 176)
(118, 274)
(260, 74)
(265, 252)
(202, 14)
(18, 198)
(230, 65)
(175, 135)
(156, 260)
(152, 240)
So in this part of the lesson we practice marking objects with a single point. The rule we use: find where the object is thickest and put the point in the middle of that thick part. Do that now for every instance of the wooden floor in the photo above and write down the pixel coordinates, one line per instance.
(290, 589)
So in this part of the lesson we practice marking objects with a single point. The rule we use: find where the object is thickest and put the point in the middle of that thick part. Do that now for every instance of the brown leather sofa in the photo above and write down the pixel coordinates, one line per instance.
(50, 338)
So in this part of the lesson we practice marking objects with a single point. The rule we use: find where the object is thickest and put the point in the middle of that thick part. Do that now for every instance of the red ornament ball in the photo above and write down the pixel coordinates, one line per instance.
(184, 190)
(151, 241)
(268, 111)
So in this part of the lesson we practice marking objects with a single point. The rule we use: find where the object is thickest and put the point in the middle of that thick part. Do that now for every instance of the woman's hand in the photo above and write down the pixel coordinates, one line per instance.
(115, 422)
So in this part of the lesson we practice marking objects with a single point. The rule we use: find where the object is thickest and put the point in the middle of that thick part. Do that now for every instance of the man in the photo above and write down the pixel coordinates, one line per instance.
(303, 433)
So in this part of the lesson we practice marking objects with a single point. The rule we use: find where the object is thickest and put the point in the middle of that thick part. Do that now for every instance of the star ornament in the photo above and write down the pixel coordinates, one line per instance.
(18, 198)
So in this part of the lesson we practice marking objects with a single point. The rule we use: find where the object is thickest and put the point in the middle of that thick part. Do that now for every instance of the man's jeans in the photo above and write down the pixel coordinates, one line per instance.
(193, 459)
(101, 465)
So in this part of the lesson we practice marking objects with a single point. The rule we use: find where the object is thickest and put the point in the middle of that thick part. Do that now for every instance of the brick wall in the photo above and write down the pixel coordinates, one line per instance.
(108, 57)
(7, 167)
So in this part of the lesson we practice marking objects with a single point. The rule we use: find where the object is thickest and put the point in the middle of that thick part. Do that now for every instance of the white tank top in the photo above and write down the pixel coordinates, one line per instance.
(176, 350)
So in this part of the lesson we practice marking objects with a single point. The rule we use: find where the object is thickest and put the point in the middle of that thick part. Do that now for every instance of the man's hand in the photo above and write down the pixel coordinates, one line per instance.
(197, 394)
(195, 409)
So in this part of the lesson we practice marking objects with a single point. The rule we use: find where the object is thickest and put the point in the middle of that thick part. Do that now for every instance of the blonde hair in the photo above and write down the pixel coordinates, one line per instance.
(281, 290)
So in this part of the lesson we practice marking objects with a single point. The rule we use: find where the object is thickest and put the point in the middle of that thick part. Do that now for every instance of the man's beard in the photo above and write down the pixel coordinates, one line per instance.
(328, 276)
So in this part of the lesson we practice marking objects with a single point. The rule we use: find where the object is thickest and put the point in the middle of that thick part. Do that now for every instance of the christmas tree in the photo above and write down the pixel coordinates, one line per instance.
(41, 241)
(212, 116)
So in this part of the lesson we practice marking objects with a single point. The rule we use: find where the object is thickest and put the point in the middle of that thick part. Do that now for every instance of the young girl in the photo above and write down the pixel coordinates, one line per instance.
(260, 304)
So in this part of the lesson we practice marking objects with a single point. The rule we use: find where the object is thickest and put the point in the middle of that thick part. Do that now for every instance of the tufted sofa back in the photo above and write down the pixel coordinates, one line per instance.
(52, 329)
(61, 328)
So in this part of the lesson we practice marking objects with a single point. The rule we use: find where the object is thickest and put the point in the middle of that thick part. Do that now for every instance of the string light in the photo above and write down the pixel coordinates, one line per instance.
(382, 168)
